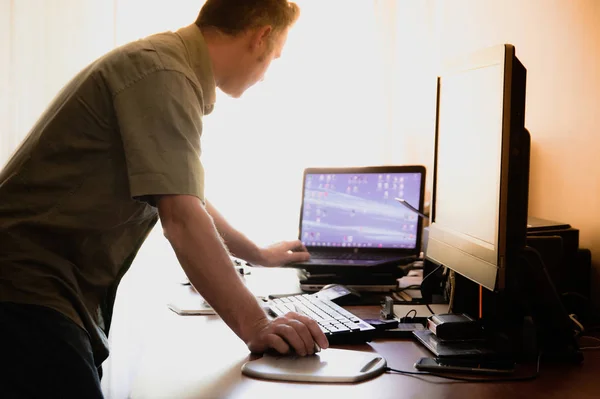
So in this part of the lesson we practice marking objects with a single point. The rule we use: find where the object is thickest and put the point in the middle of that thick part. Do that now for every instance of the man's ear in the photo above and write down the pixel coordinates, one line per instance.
(261, 36)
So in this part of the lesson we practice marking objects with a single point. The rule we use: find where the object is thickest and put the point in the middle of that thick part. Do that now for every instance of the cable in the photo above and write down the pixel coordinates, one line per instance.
(452, 290)
(409, 312)
(590, 337)
(584, 348)
(588, 313)
(589, 348)
(422, 281)
(573, 318)
(576, 294)
(547, 297)
(415, 286)
(464, 379)
(430, 274)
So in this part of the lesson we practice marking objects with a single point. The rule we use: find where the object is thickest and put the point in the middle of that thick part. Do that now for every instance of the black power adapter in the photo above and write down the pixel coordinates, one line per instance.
(381, 324)
(403, 330)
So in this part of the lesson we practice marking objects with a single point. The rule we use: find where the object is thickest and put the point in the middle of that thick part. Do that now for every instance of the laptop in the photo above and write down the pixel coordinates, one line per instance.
(350, 218)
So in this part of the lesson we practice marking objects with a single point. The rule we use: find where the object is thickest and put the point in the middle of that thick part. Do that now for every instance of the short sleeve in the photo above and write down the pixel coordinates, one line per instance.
(160, 121)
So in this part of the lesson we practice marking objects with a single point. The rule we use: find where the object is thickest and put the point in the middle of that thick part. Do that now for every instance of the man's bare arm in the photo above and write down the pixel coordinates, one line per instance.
(242, 247)
(206, 262)
(238, 244)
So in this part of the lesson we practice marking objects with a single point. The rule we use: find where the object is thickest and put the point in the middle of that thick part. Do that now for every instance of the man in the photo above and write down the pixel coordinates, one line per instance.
(116, 150)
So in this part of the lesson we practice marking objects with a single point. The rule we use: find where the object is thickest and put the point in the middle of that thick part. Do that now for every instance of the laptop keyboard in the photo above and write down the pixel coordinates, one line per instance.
(338, 324)
(350, 256)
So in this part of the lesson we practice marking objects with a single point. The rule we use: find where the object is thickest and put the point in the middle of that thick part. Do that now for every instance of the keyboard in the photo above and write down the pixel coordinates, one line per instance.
(339, 325)
(349, 256)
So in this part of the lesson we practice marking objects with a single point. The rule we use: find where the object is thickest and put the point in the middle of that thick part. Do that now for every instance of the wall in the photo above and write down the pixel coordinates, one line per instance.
(559, 43)
(5, 76)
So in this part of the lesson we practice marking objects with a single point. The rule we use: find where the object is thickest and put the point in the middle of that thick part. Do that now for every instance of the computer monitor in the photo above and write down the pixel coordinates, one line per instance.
(481, 172)
(479, 211)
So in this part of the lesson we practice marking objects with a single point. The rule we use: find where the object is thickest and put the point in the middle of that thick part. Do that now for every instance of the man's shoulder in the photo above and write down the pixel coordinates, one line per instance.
(133, 61)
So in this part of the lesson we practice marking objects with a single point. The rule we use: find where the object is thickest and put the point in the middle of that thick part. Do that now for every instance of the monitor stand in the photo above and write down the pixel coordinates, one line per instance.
(526, 319)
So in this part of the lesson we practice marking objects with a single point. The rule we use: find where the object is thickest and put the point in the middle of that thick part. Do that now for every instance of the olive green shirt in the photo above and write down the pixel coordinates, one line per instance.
(76, 198)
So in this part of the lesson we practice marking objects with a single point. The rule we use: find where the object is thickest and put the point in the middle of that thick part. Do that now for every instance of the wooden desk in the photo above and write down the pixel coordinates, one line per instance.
(200, 357)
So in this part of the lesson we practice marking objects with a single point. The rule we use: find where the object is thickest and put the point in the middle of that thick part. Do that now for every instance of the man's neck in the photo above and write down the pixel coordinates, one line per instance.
(224, 51)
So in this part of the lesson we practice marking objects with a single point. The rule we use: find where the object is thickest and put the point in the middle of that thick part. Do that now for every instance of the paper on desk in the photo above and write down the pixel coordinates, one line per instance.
(413, 279)
(185, 300)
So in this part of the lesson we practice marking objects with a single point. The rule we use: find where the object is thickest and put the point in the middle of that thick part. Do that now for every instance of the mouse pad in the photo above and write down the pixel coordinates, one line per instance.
(329, 365)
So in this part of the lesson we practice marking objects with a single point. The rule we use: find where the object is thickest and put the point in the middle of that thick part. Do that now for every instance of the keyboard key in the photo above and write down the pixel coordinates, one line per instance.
(338, 324)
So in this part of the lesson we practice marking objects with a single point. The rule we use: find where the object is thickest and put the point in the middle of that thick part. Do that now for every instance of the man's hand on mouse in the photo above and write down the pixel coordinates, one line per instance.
(292, 332)
(283, 253)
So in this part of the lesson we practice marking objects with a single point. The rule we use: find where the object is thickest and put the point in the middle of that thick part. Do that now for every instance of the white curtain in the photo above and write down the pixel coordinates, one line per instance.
(345, 92)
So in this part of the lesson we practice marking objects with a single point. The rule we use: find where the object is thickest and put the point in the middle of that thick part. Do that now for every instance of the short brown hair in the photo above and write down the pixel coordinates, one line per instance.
(235, 16)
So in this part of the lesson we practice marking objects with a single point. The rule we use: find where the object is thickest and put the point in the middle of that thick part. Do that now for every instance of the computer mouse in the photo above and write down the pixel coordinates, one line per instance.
(291, 352)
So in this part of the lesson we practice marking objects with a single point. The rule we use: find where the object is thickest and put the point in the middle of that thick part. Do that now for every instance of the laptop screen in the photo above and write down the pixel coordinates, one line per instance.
(359, 210)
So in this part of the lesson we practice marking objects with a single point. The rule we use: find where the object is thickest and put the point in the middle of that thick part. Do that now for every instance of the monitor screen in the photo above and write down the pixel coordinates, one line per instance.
(359, 210)
(481, 166)
(469, 148)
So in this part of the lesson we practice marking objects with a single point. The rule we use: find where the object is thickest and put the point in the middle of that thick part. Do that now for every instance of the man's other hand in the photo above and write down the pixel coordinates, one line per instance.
(291, 333)
(283, 253)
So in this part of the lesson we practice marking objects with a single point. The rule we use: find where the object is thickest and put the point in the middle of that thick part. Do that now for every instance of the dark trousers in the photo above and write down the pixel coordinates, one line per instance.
(43, 354)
